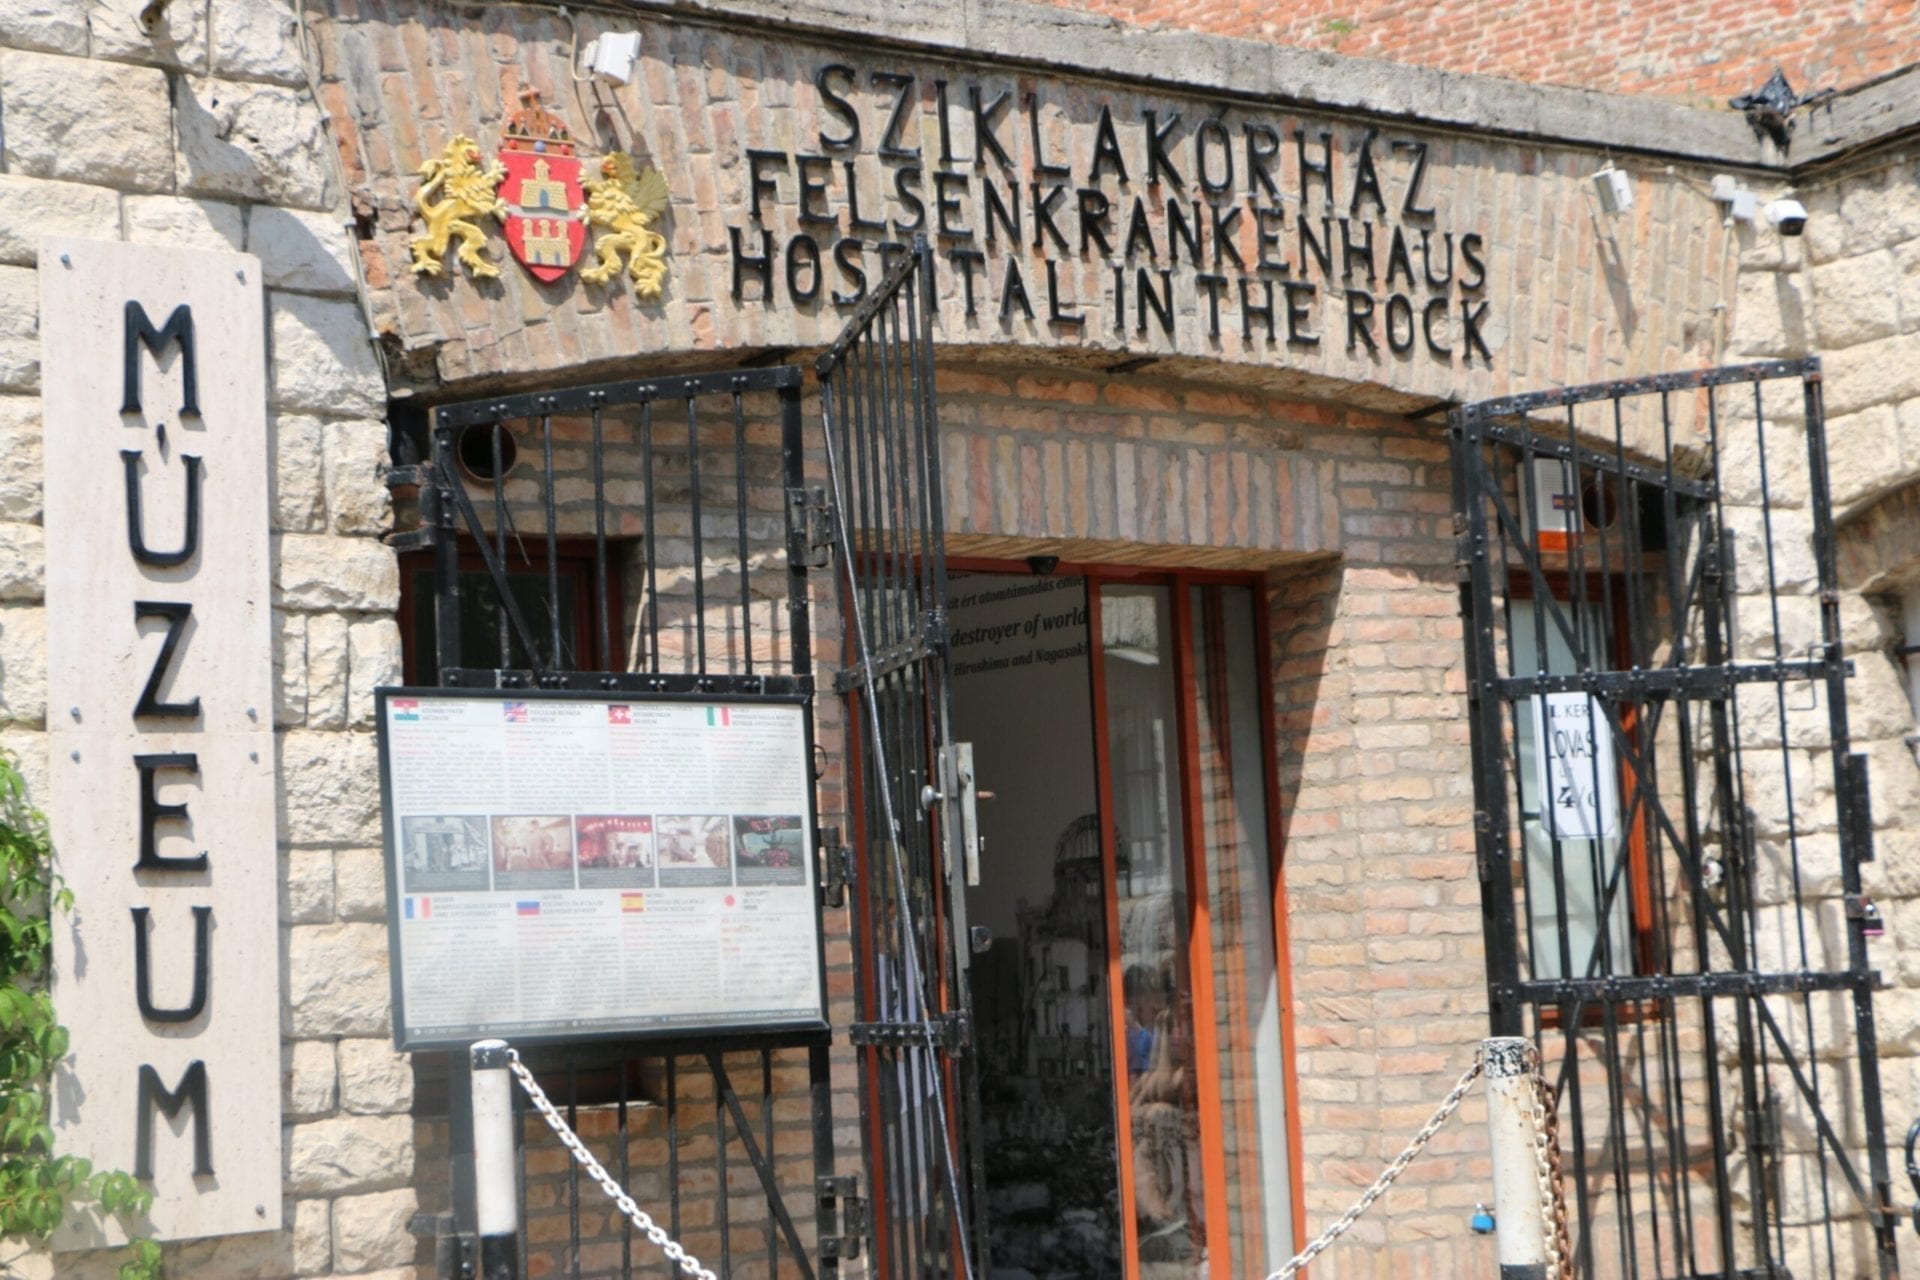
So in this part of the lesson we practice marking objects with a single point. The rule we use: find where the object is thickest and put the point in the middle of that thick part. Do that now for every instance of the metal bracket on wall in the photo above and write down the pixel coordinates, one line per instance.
(836, 868)
(842, 1215)
(809, 527)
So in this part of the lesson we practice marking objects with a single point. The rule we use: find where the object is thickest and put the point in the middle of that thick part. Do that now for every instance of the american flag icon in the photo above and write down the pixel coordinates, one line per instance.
(517, 713)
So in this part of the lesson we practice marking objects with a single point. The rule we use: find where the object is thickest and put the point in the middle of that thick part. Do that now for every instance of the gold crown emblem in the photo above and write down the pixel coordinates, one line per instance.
(534, 128)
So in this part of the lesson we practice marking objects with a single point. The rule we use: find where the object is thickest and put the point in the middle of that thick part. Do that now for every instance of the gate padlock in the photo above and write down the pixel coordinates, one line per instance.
(1482, 1221)
(1872, 924)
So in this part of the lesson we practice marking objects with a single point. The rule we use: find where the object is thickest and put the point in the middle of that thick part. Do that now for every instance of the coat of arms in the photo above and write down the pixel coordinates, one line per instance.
(545, 219)
(544, 206)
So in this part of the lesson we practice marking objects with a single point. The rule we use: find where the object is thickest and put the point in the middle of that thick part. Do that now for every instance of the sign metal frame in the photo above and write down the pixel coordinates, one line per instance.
(797, 1031)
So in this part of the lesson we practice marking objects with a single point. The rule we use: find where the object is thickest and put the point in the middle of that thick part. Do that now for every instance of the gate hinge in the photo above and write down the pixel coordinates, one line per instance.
(456, 1253)
(842, 1215)
(809, 527)
(950, 1031)
(412, 477)
(836, 868)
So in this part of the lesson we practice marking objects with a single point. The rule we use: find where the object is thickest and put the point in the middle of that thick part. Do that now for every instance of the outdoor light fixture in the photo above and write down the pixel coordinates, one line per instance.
(1615, 189)
(611, 56)
(1789, 215)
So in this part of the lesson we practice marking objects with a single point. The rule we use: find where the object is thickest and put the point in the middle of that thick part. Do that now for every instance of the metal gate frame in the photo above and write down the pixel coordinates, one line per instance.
(1694, 813)
(914, 843)
(666, 405)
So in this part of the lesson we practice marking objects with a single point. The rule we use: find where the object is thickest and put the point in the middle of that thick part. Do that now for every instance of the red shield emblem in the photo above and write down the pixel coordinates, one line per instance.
(545, 223)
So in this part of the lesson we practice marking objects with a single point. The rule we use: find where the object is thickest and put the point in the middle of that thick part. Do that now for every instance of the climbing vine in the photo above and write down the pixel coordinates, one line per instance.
(36, 1186)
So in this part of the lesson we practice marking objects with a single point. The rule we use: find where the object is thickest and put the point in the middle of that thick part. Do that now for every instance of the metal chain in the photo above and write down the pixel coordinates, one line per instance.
(1380, 1184)
(622, 1201)
(1546, 1162)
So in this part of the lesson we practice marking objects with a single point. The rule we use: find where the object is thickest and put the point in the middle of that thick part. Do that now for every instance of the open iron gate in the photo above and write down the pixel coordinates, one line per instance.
(642, 550)
(661, 541)
(913, 837)
(1670, 821)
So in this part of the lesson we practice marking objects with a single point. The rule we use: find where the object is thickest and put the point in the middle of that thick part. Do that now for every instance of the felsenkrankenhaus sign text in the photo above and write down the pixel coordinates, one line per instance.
(1150, 220)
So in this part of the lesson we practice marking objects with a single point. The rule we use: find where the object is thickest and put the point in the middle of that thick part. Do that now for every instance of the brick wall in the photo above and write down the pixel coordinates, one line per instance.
(1699, 51)
(1345, 514)
(1561, 303)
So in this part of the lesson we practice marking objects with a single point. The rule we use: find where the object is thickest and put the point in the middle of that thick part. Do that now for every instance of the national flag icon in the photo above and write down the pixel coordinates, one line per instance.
(406, 708)
(527, 908)
(619, 713)
(717, 716)
(633, 902)
(730, 900)
(517, 713)
(419, 908)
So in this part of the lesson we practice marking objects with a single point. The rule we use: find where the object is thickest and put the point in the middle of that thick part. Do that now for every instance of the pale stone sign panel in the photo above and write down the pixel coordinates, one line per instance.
(160, 712)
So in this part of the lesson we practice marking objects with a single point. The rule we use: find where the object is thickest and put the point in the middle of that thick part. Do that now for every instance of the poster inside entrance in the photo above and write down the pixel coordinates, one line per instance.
(560, 866)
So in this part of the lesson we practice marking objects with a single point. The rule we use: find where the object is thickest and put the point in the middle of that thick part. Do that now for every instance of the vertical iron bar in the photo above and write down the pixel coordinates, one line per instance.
(1867, 1044)
(573, 1170)
(626, 1170)
(740, 510)
(725, 1191)
(608, 659)
(446, 554)
(766, 1145)
(500, 543)
(673, 1154)
(1483, 707)
(554, 659)
(699, 541)
(650, 543)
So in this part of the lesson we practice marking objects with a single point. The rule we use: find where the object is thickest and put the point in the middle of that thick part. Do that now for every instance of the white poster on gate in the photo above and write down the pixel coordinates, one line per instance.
(1574, 767)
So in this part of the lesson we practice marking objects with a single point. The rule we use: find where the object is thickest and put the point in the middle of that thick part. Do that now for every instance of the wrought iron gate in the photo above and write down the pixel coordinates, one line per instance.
(1670, 819)
(913, 839)
(661, 541)
(649, 548)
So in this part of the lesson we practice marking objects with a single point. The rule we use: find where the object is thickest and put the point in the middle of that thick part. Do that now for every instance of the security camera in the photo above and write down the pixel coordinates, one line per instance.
(1789, 215)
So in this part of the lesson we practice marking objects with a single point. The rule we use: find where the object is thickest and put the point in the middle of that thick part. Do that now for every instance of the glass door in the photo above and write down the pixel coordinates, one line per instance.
(1126, 980)
(1180, 693)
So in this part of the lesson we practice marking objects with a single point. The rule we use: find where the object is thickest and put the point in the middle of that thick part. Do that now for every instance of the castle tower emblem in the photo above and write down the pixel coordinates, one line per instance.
(545, 220)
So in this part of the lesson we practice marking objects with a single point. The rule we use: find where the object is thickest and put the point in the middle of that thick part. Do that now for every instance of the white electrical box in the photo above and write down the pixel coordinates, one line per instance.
(611, 56)
(1615, 190)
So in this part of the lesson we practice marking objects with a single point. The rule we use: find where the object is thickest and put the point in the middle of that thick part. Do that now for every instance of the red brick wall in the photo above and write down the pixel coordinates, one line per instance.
(1701, 51)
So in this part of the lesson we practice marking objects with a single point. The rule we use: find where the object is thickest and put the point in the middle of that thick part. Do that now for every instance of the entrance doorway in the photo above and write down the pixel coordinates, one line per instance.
(1128, 994)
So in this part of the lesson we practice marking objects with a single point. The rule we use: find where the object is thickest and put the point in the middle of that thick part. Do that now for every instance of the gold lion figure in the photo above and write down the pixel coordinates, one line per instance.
(469, 192)
(626, 206)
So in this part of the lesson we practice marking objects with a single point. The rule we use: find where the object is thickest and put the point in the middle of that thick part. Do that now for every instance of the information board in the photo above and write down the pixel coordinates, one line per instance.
(561, 866)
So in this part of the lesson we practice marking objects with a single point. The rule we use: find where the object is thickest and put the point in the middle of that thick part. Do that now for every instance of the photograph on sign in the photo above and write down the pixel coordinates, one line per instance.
(659, 845)
(1574, 763)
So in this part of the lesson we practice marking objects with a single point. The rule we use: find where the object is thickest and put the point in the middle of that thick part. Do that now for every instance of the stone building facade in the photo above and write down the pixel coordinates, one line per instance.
(1255, 390)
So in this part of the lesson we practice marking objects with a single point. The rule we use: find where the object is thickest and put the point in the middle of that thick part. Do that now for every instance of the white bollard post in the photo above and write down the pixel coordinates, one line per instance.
(496, 1207)
(1520, 1229)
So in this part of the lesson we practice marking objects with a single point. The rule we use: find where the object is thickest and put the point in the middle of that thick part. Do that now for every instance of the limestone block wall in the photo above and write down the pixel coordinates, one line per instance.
(201, 130)
(1848, 290)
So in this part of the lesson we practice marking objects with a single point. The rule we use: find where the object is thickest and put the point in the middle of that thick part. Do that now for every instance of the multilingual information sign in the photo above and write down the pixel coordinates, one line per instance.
(560, 866)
